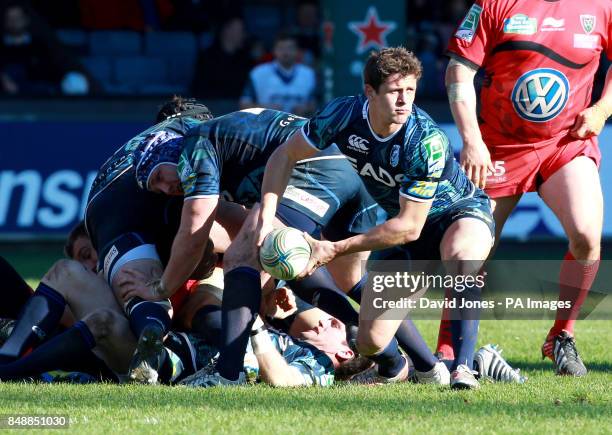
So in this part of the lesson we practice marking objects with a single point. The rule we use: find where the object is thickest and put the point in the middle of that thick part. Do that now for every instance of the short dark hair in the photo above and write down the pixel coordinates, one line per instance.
(179, 106)
(285, 36)
(389, 61)
(79, 230)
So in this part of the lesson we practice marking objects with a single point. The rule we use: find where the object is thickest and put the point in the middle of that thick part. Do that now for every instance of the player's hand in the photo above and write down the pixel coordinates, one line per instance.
(321, 253)
(476, 162)
(589, 122)
(134, 283)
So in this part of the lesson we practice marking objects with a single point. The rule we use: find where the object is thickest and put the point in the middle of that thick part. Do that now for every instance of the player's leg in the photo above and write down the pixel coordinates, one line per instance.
(464, 248)
(376, 340)
(14, 291)
(67, 283)
(201, 311)
(348, 269)
(574, 194)
(502, 207)
(241, 299)
(148, 320)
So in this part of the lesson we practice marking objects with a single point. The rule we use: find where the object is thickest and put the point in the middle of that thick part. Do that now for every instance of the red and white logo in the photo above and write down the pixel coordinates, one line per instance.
(371, 31)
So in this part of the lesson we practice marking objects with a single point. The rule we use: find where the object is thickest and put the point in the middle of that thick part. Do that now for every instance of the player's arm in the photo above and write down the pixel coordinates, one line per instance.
(273, 369)
(404, 228)
(591, 120)
(475, 158)
(276, 176)
(189, 243)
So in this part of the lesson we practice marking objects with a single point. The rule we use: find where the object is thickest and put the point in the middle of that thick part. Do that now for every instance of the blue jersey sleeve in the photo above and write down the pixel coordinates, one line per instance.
(427, 159)
(322, 128)
(198, 169)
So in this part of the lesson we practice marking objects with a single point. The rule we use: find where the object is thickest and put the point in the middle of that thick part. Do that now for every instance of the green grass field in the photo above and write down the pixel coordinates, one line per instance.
(545, 404)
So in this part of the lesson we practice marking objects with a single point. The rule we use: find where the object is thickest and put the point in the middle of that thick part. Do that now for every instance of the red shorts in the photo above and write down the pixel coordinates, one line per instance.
(524, 167)
(178, 299)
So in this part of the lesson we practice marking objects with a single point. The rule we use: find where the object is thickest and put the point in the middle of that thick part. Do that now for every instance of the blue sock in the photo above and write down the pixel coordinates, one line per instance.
(142, 313)
(241, 300)
(207, 324)
(390, 361)
(320, 290)
(65, 351)
(464, 328)
(39, 317)
(407, 335)
(355, 292)
(412, 343)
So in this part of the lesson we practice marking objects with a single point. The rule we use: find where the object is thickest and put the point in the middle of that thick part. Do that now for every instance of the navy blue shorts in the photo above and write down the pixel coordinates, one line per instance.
(427, 247)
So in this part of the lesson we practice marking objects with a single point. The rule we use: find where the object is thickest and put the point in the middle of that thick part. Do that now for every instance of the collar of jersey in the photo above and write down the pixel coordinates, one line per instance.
(364, 112)
(286, 75)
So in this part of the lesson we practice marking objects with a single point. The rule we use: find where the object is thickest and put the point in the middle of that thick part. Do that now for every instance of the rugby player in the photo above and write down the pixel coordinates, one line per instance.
(537, 130)
(406, 163)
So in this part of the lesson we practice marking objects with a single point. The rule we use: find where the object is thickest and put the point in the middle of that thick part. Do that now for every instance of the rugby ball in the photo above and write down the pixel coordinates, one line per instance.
(284, 253)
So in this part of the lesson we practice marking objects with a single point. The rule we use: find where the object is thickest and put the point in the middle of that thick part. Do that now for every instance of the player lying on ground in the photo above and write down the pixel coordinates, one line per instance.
(536, 130)
(406, 163)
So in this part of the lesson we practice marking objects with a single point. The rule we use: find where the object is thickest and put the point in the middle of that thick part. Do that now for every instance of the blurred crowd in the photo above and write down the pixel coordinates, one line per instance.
(212, 49)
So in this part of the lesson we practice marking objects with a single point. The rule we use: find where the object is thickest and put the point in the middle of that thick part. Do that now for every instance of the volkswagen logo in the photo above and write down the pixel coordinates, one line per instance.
(540, 95)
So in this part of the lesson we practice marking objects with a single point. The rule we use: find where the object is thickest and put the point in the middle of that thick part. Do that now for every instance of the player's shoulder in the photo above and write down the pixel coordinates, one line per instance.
(304, 70)
(425, 130)
(262, 72)
(424, 121)
(263, 68)
(353, 105)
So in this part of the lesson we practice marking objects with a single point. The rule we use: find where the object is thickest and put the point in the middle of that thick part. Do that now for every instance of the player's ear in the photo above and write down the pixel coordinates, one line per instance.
(345, 355)
(369, 91)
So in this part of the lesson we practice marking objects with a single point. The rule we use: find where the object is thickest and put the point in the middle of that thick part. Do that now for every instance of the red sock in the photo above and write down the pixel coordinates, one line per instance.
(445, 334)
(575, 281)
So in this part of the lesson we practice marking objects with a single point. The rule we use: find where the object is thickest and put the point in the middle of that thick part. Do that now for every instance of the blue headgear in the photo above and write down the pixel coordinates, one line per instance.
(159, 148)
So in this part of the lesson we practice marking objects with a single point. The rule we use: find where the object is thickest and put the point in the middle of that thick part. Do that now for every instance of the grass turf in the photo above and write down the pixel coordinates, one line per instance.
(545, 404)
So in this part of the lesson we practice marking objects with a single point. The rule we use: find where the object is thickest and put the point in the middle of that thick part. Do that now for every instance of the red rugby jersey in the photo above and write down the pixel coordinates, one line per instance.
(539, 57)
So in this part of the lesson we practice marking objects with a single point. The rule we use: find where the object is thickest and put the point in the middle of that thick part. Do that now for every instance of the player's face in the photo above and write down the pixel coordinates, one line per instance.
(164, 179)
(84, 253)
(330, 337)
(285, 52)
(392, 103)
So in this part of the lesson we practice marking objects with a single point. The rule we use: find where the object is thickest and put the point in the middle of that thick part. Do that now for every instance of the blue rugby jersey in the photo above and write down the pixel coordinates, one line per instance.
(228, 155)
(415, 162)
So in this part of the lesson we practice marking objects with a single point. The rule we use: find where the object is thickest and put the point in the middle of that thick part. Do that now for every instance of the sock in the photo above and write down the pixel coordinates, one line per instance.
(14, 291)
(464, 328)
(206, 323)
(320, 290)
(575, 281)
(142, 313)
(63, 352)
(407, 335)
(165, 372)
(445, 336)
(38, 319)
(411, 342)
(355, 292)
(390, 361)
(241, 301)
